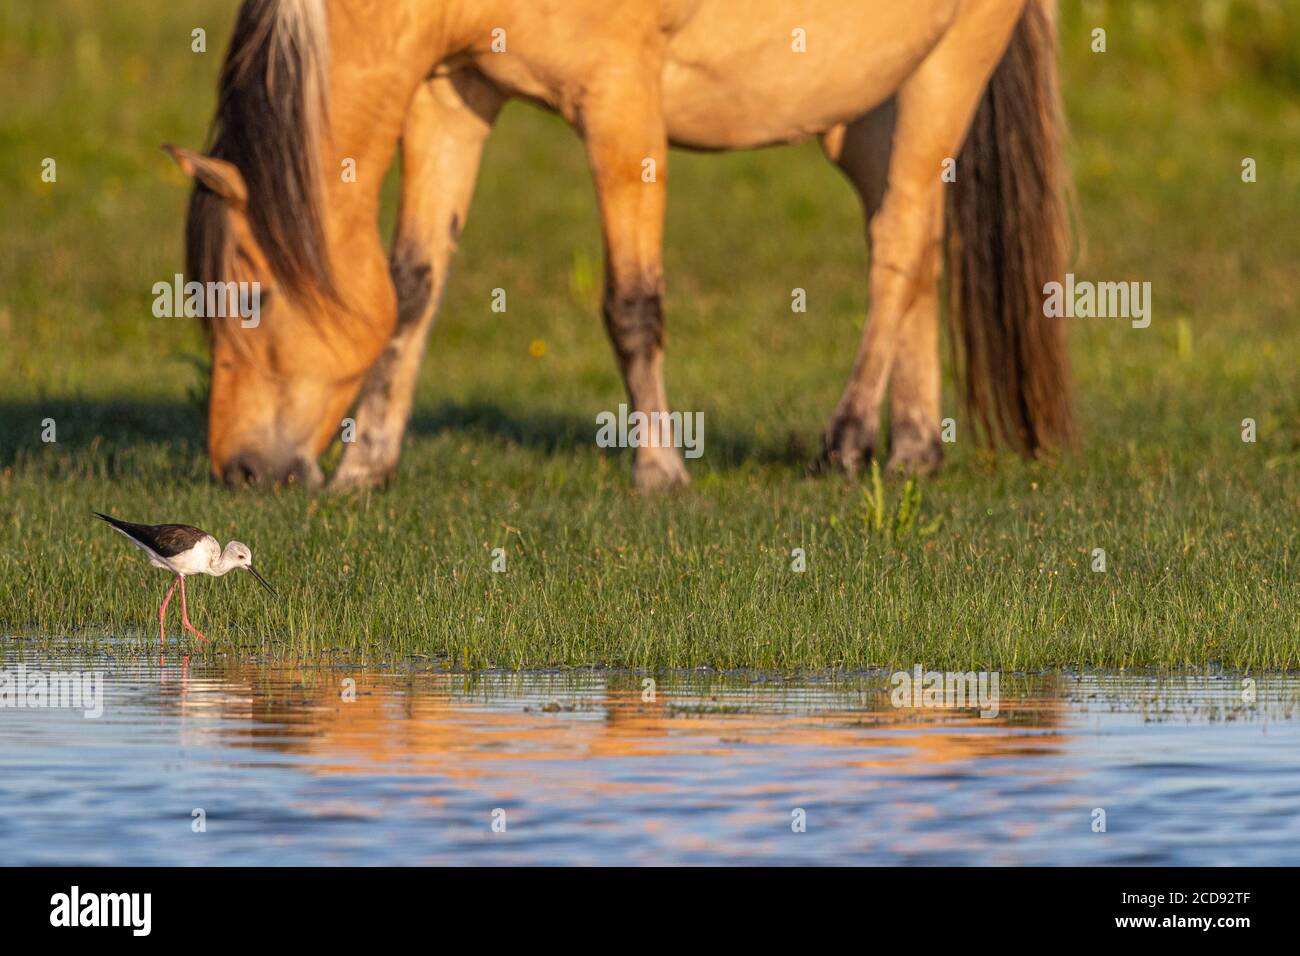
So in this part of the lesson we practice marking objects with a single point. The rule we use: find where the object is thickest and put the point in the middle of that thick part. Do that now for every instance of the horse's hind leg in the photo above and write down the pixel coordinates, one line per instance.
(916, 380)
(861, 149)
(624, 129)
(934, 107)
(442, 142)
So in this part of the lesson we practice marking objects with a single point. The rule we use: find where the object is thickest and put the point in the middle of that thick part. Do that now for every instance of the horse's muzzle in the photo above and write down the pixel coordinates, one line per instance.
(256, 470)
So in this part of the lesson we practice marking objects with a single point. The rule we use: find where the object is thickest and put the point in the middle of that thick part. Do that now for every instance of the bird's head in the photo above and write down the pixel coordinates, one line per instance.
(239, 555)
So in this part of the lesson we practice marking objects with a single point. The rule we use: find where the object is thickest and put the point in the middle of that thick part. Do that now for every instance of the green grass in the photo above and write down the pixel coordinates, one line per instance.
(1199, 528)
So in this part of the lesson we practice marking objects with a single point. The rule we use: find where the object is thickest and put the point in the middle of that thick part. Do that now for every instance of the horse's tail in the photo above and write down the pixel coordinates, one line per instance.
(1007, 238)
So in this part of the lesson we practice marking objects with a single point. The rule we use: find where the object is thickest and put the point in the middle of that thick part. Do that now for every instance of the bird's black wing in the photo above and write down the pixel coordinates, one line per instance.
(164, 540)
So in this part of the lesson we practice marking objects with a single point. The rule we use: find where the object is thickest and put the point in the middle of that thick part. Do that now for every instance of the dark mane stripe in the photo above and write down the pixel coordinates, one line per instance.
(270, 116)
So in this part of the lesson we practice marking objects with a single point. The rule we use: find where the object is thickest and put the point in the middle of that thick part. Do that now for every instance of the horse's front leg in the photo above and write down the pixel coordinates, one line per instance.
(442, 143)
(627, 147)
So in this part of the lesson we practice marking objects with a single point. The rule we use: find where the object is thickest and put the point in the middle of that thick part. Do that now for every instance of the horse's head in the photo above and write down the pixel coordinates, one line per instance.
(300, 252)
(289, 354)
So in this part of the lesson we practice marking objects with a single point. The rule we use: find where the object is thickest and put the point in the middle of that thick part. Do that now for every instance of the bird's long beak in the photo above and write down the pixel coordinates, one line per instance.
(261, 580)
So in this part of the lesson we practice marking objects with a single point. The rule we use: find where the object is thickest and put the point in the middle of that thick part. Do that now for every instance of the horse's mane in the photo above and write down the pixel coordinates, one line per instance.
(271, 113)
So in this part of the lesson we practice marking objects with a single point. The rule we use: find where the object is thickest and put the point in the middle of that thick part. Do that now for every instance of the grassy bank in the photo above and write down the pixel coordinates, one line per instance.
(1199, 527)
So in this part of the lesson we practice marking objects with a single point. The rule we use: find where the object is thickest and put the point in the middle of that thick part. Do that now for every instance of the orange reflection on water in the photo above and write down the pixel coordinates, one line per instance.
(505, 731)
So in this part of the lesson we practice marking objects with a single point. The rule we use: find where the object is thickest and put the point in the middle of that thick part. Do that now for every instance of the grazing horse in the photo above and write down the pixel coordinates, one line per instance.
(943, 114)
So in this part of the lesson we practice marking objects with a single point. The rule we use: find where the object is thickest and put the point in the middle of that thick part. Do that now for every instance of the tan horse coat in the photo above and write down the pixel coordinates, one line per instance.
(891, 86)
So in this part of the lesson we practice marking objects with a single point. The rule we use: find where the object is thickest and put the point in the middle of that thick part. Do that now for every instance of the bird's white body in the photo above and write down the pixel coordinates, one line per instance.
(199, 559)
(203, 558)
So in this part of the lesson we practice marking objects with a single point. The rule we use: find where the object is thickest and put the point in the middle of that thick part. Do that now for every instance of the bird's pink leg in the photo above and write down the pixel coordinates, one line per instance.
(185, 618)
(162, 611)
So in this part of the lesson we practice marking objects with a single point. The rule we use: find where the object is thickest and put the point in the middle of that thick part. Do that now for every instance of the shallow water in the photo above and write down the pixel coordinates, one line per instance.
(713, 770)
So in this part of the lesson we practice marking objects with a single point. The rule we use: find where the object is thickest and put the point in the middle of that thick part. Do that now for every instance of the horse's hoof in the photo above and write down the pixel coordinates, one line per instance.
(358, 479)
(660, 474)
(915, 456)
(847, 446)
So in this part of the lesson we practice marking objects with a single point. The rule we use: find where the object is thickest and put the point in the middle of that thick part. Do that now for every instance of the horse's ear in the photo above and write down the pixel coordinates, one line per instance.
(221, 177)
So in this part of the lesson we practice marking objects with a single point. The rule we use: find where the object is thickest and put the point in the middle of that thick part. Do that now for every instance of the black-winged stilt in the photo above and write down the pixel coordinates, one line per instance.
(185, 550)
